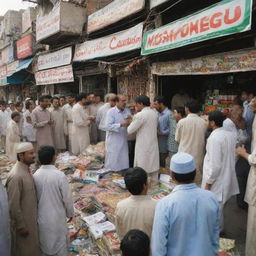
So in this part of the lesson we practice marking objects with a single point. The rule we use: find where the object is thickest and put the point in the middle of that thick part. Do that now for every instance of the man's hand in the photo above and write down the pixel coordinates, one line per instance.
(50, 122)
(208, 186)
(240, 150)
(125, 124)
(23, 232)
(91, 118)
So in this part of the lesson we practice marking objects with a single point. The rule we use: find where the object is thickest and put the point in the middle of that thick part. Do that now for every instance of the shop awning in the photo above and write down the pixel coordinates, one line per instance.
(24, 64)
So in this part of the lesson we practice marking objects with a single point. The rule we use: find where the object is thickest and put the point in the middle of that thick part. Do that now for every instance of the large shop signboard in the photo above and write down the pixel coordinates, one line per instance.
(123, 41)
(228, 62)
(24, 47)
(55, 59)
(113, 12)
(49, 24)
(55, 75)
(224, 18)
(3, 72)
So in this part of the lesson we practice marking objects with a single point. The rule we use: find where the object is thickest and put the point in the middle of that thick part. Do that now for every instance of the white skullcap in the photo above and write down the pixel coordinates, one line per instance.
(182, 163)
(24, 147)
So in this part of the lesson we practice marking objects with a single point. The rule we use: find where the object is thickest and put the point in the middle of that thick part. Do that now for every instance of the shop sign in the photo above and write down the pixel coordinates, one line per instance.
(154, 3)
(123, 41)
(7, 55)
(55, 59)
(228, 62)
(24, 47)
(11, 68)
(49, 24)
(113, 12)
(224, 18)
(3, 72)
(55, 76)
(26, 20)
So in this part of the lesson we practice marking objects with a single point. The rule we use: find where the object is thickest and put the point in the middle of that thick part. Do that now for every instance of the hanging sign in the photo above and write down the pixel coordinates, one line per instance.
(49, 24)
(55, 59)
(113, 12)
(154, 3)
(3, 72)
(24, 47)
(224, 18)
(55, 76)
(123, 41)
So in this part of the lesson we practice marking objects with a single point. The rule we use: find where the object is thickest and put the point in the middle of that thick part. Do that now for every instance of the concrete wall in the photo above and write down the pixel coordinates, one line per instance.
(95, 5)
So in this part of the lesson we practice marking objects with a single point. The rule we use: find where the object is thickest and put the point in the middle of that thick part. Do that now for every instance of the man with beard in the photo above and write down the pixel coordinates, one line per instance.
(81, 125)
(23, 203)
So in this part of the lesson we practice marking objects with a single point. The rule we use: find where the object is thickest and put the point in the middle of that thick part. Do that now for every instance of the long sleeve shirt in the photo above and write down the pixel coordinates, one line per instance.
(186, 223)
(173, 145)
(164, 128)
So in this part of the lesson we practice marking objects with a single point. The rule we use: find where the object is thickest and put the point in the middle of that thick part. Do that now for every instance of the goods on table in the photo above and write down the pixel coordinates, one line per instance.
(5, 167)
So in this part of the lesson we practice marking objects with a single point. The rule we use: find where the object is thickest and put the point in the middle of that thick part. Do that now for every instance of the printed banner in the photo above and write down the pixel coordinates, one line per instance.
(7, 55)
(154, 3)
(3, 72)
(24, 47)
(123, 41)
(11, 68)
(49, 24)
(113, 12)
(227, 62)
(224, 18)
(55, 76)
(55, 59)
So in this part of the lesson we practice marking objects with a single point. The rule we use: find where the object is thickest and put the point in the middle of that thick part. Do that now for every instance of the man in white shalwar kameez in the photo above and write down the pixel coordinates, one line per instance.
(81, 125)
(68, 120)
(57, 116)
(5, 117)
(13, 136)
(219, 174)
(145, 124)
(5, 236)
(55, 205)
(118, 118)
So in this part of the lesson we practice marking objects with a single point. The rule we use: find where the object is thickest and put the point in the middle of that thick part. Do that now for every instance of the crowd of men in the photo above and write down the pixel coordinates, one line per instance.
(214, 152)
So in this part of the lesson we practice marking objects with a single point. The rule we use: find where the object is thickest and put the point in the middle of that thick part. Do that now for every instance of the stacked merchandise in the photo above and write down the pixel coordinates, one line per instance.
(5, 167)
(227, 248)
(218, 101)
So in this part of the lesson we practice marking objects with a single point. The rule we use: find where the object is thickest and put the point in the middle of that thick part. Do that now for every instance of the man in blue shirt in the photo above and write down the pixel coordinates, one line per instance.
(163, 128)
(187, 221)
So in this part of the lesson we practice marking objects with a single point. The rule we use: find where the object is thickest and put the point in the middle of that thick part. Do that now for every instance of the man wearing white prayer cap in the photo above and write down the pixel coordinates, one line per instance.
(187, 222)
(23, 203)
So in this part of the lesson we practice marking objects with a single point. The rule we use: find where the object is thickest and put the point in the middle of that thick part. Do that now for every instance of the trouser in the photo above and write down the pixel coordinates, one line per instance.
(222, 206)
(62, 252)
(250, 249)
(162, 157)
(102, 135)
(3, 143)
(242, 172)
(131, 145)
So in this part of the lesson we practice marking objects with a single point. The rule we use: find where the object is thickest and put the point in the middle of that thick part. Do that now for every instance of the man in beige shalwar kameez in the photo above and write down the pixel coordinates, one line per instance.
(23, 204)
(41, 120)
(81, 125)
(57, 116)
(190, 133)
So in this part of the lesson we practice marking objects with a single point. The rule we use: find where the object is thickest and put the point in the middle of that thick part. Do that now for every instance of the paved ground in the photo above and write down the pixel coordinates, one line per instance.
(235, 224)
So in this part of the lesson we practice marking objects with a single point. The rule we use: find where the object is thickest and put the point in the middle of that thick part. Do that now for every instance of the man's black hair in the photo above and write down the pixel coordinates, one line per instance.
(143, 99)
(14, 114)
(193, 106)
(181, 111)
(18, 104)
(184, 178)
(62, 97)
(160, 99)
(135, 179)
(54, 98)
(135, 243)
(43, 97)
(28, 104)
(218, 117)
(46, 154)
(81, 96)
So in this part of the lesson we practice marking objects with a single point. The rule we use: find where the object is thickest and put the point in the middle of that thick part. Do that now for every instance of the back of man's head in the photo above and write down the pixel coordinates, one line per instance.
(135, 180)
(135, 243)
(46, 155)
(193, 106)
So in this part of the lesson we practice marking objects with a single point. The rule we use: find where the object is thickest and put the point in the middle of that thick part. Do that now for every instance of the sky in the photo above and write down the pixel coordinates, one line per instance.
(12, 5)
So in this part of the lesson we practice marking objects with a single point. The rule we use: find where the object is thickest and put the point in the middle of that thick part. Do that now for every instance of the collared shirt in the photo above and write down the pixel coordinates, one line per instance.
(248, 115)
(173, 145)
(135, 212)
(164, 126)
(186, 223)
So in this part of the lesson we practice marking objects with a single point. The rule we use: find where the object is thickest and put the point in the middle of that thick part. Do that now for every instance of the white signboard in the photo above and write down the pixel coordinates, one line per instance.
(154, 3)
(55, 75)
(49, 24)
(55, 59)
(3, 72)
(11, 68)
(26, 20)
(123, 41)
(113, 12)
